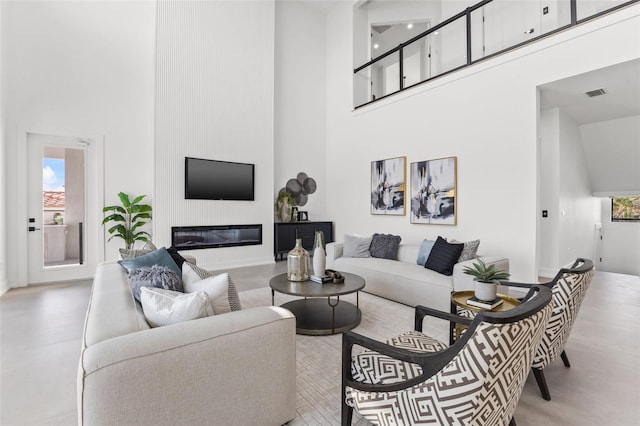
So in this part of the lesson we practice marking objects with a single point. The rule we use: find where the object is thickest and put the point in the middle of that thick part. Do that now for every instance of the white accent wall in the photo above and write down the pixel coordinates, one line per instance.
(486, 115)
(214, 100)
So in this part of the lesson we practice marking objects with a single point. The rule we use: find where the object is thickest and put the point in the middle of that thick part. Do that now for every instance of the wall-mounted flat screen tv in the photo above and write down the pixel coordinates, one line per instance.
(218, 180)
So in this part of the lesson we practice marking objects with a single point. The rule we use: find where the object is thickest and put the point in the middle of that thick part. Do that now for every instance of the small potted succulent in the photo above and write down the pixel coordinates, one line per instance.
(486, 278)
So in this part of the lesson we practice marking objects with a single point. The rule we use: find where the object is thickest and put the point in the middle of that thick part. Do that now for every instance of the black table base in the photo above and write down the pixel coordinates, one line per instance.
(323, 316)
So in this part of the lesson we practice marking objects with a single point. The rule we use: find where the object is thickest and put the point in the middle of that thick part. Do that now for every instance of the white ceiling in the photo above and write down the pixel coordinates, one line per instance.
(622, 99)
(611, 148)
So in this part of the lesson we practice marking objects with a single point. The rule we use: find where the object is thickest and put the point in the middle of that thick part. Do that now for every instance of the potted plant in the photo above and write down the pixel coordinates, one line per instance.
(486, 278)
(128, 217)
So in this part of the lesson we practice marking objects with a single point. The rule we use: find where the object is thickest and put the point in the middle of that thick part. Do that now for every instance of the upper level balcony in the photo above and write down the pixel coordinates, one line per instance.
(398, 45)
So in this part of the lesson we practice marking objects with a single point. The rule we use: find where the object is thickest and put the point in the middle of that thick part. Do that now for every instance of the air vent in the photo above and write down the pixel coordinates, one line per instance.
(594, 93)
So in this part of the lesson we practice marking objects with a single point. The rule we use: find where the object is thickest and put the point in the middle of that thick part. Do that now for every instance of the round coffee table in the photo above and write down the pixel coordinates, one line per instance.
(314, 314)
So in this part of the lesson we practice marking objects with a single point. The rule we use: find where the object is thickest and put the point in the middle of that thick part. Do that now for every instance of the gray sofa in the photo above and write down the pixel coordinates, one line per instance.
(405, 281)
(234, 368)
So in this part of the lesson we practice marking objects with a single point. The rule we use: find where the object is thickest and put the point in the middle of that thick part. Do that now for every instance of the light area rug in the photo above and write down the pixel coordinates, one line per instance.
(318, 358)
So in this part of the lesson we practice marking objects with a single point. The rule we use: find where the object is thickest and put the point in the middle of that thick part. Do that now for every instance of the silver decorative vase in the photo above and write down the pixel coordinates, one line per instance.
(298, 263)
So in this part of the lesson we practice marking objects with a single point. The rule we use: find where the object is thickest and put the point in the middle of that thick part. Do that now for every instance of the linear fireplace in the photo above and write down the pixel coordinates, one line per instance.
(201, 237)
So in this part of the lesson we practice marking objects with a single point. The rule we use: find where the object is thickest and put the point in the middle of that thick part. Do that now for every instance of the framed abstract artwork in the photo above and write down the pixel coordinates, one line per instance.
(388, 183)
(433, 191)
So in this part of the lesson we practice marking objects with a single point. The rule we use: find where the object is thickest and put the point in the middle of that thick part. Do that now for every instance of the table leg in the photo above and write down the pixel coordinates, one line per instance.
(452, 325)
(333, 312)
(273, 297)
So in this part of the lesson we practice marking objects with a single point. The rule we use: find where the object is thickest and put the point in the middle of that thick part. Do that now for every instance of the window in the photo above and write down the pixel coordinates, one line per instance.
(625, 209)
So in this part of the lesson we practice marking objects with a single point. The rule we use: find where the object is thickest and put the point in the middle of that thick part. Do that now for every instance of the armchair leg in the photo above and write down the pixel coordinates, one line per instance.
(565, 359)
(542, 383)
(512, 422)
(347, 414)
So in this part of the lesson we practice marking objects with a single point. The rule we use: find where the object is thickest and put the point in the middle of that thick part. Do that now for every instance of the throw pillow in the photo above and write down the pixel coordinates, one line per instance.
(154, 276)
(469, 251)
(443, 256)
(177, 257)
(355, 246)
(217, 289)
(385, 246)
(227, 302)
(158, 257)
(423, 252)
(165, 307)
(148, 247)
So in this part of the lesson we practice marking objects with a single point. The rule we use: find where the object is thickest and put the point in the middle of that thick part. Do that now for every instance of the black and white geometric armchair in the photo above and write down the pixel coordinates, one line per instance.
(569, 287)
(414, 379)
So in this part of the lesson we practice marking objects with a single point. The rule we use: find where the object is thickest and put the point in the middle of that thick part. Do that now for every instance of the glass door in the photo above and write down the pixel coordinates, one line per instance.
(56, 206)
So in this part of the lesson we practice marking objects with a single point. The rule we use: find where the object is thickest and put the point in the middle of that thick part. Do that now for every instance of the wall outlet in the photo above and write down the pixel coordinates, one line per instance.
(545, 10)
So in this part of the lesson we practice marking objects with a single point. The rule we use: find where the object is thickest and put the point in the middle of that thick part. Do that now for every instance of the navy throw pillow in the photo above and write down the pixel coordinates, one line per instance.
(173, 252)
(443, 256)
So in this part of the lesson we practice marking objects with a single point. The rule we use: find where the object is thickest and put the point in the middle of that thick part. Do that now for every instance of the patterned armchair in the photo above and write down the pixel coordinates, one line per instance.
(415, 379)
(569, 287)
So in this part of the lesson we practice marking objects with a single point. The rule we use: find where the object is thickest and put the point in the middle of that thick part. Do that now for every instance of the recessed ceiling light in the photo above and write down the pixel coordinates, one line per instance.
(435, 33)
(409, 26)
(375, 46)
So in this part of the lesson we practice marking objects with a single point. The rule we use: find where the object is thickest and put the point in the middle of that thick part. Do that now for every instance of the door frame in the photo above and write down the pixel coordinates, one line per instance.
(94, 233)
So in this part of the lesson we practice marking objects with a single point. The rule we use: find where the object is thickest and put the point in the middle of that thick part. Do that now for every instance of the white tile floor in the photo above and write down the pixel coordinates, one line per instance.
(40, 329)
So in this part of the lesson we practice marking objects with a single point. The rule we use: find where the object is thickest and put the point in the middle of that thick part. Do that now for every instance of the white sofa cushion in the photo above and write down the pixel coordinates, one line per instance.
(165, 307)
(355, 246)
(216, 287)
(226, 302)
(395, 268)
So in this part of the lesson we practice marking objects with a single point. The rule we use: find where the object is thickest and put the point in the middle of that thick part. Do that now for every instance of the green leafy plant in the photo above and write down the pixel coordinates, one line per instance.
(128, 217)
(485, 274)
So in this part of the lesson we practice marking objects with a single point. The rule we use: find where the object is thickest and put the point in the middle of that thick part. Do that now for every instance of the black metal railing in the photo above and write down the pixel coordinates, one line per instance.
(363, 75)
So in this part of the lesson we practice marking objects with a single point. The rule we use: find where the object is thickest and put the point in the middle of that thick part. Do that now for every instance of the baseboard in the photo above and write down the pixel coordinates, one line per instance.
(4, 287)
(547, 273)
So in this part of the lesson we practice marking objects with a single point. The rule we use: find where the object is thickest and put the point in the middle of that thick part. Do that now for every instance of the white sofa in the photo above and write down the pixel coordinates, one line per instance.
(234, 368)
(405, 281)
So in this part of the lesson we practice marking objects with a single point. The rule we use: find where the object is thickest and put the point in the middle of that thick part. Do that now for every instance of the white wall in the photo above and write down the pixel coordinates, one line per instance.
(549, 195)
(214, 100)
(300, 101)
(78, 68)
(620, 243)
(618, 170)
(488, 119)
(566, 193)
(579, 210)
